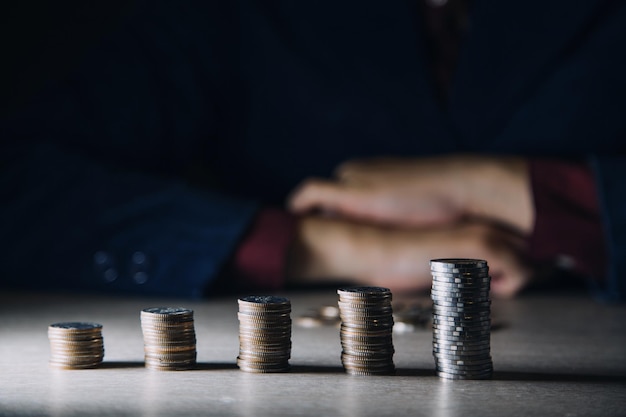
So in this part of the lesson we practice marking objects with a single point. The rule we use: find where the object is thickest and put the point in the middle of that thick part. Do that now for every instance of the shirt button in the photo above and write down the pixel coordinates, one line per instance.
(139, 258)
(101, 258)
(140, 278)
(110, 275)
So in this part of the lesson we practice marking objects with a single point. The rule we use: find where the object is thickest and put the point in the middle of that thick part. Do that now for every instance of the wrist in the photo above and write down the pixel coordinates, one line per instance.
(500, 191)
(320, 251)
(314, 251)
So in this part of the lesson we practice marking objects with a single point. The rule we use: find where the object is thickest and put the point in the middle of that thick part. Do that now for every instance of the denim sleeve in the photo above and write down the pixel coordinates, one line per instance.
(71, 223)
(610, 172)
(88, 167)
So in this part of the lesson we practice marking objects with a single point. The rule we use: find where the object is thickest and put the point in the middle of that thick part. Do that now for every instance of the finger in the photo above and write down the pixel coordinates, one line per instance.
(508, 282)
(508, 275)
(363, 170)
(504, 251)
(322, 194)
(350, 171)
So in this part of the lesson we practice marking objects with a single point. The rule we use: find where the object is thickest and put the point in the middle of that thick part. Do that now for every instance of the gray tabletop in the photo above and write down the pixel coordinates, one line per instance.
(553, 356)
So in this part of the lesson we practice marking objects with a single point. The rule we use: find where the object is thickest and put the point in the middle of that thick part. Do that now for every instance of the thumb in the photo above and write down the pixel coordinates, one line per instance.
(325, 195)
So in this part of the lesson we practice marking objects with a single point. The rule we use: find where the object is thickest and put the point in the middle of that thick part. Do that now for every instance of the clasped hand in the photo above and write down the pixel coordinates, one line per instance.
(380, 221)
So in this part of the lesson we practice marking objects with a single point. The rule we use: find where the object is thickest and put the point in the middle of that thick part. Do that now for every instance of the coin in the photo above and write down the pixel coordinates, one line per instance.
(458, 262)
(469, 327)
(461, 318)
(264, 334)
(75, 345)
(169, 338)
(366, 330)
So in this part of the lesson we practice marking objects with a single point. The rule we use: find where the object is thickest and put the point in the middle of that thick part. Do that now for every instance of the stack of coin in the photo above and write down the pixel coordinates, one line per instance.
(264, 334)
(169, 338)
(366, 330)
(75, 345)
(461, 318)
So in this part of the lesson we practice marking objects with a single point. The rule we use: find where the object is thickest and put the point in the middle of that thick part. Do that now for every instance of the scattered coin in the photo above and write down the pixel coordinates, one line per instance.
(461, 318)
(366, 330)
(264, 334)
(75, 345)
(169, 338)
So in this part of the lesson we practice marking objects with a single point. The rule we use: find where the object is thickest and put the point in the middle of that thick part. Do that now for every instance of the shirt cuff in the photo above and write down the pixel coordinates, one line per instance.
(260, 259)
(568, 228)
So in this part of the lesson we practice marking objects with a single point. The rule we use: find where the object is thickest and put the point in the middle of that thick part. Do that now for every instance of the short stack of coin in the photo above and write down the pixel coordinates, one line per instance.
(461, 318)
(264, 334)
(75, 345)
(169, 338)
(366, 330)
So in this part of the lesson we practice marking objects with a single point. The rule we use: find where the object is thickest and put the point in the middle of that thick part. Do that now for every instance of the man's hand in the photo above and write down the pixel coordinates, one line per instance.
(333, 249)
(424, 192)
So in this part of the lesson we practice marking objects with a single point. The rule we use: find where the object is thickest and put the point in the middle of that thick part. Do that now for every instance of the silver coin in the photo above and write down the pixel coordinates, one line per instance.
(437, 269)
(468, 304)
(356, 306)
(452, 292)
(76, 326)
(460, 295)
(455, 291)
(462, 327)
(465, 373)
(479, 361)
(454, 316)
(370, 291)
(456, 311)
(464, 340)
(461, 335)
(380, 369)
(454, 349)
(454, 356)
(168, 310)
(265, 299)
(352, 321)
(461, 277)
(480, 293)
(475, 349)
(441, 342)
(464, 333)
(445, 327)
(469, 361)
(462, 324)
(460, 349)
(456, 343)
(459, 262)
(469, 281)
(458, 301)
(459, 271)
(468, 284)
(475, 376)
(369, 313)
(486, 375)
(464, 370)
(444, 348)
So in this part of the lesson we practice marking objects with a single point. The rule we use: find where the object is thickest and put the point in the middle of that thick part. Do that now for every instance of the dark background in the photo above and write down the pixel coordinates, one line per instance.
(42, 40)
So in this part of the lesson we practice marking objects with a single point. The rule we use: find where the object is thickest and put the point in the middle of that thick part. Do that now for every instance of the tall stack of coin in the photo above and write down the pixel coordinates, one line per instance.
(75, 345)
(169, 338)
(366, 330)
(264, 334)
(461, 318)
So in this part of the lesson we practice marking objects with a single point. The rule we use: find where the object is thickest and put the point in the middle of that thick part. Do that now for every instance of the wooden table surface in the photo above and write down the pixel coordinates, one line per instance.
(553, 356)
